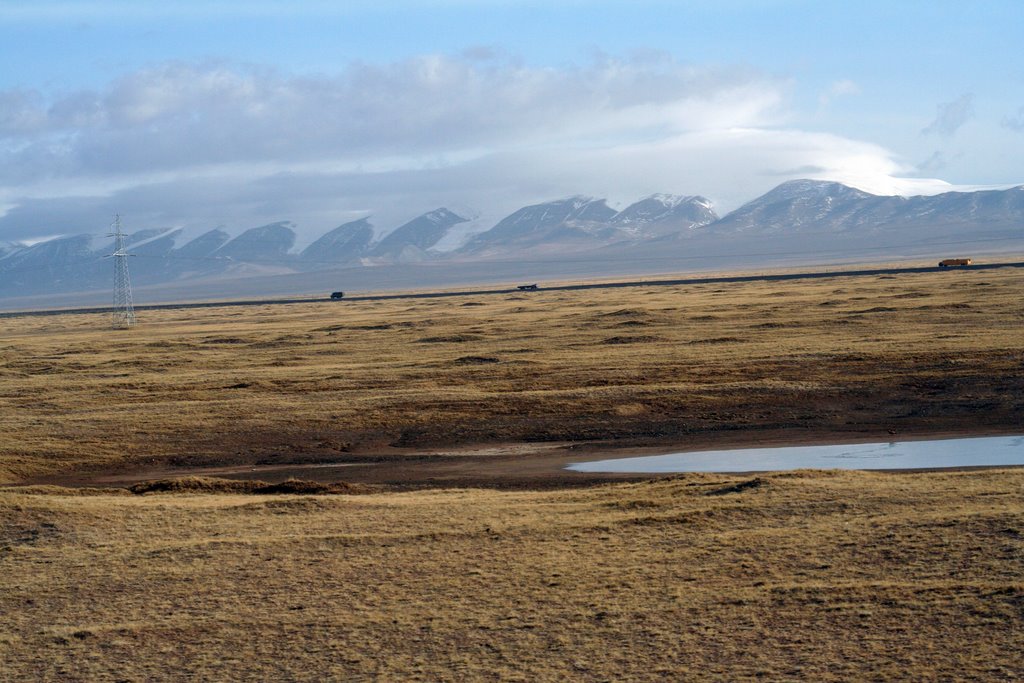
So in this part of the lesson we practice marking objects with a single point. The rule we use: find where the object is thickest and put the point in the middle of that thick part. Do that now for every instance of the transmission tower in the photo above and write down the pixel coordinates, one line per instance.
(124, 311)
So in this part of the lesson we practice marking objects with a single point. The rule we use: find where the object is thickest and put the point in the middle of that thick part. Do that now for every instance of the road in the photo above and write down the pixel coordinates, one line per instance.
(812, 275)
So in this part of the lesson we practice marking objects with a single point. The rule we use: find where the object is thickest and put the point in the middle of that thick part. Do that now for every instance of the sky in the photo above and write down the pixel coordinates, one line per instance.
(236, 114)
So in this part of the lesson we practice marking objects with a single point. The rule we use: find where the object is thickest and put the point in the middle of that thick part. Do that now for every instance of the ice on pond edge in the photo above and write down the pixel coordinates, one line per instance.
(896, 455)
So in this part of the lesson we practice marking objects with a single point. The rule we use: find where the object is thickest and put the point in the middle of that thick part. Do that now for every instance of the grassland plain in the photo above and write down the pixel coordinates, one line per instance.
(803, 575)
(336, 381)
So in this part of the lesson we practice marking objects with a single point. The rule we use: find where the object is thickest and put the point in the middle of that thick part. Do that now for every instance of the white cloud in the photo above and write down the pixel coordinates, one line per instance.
(837, 89)
(184, 117)
(951, 116)
(200, 145)
(1015, 122)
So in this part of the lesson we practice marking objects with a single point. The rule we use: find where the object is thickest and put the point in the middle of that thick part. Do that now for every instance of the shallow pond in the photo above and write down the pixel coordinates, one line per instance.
(897, 455)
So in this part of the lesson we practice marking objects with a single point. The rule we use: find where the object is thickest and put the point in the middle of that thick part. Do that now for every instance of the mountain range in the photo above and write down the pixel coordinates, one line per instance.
(798, 217)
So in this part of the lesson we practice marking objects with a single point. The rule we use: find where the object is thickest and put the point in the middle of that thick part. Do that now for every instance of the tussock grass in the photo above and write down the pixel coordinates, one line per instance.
(49, 490)
(805, 575)
(915, 352)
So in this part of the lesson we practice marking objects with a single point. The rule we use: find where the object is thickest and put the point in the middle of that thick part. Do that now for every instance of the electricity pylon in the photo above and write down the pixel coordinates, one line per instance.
(124, 311)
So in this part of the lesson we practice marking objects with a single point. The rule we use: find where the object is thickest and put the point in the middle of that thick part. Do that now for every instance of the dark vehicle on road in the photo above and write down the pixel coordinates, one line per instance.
(526, 288)
(337, 295)
(954, 262)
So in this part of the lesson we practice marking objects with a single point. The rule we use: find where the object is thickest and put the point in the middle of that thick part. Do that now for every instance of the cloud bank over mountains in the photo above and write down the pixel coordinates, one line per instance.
(797, 222)
(200, 145)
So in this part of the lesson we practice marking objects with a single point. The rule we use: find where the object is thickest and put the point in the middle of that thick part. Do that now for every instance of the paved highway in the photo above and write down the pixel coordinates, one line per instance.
(813, 275)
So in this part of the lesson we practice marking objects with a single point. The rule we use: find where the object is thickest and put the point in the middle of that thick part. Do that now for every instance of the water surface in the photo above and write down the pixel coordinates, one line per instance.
(896, 455)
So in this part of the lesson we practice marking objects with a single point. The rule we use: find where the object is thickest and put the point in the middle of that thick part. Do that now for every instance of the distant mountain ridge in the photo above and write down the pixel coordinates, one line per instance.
(662, 214)
(566, 220)
(346, 243)
(412, 240)
(810, 206)
(799, 214)
(583, 222)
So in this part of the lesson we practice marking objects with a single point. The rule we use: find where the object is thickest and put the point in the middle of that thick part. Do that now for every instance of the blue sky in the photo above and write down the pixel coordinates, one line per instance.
(199, 114)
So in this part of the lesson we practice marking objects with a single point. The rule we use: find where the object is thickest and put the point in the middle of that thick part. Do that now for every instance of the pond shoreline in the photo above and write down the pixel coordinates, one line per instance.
(887, 455)
(513, 466)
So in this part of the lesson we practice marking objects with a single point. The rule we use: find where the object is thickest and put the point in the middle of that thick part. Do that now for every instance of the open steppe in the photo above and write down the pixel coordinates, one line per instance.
(799, 576)
(401, 382)
(423, 571)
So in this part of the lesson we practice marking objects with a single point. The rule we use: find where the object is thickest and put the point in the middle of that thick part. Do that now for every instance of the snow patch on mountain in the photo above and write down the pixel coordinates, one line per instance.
(797, 217)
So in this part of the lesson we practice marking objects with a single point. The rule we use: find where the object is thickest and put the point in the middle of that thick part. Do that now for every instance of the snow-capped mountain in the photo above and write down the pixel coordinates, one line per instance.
(564, 222)
(820, 207)
(801, 206)
(265, 242)
(204, 245)
(345, 244)
(804, 219)
(56, 265)
(664, 214)
(583, 223)
(411, 240)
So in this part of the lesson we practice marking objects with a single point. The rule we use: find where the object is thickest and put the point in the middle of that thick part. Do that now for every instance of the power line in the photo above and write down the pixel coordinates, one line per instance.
(123, 315)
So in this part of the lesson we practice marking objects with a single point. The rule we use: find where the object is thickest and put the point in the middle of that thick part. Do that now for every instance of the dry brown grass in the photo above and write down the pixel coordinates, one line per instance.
(805, 575)
(280, 383)
(810, 576)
